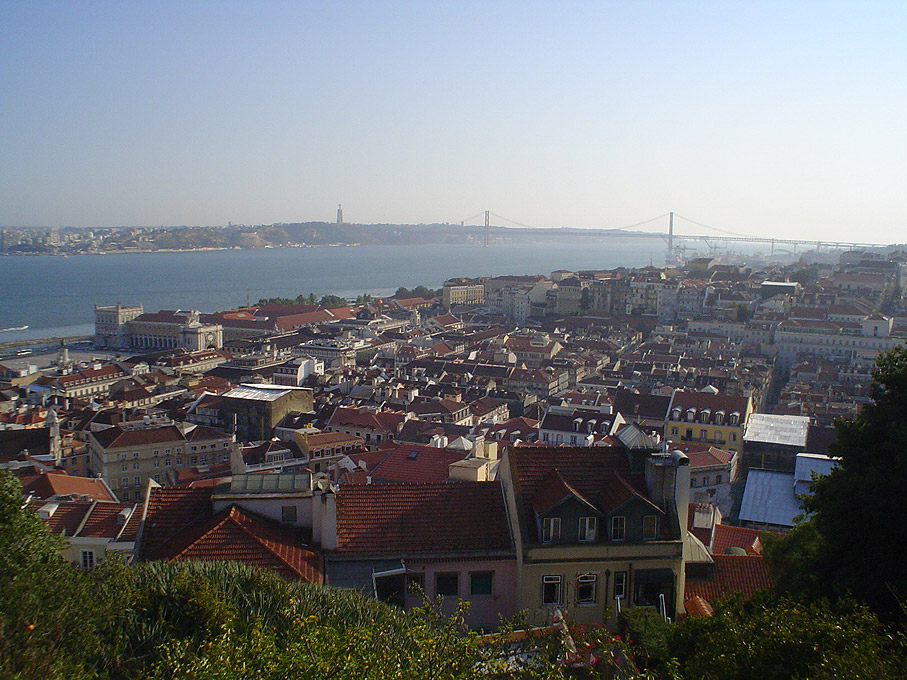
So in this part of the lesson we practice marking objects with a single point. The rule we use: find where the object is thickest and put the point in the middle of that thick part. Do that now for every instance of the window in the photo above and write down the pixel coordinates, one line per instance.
(136, 481)
(618, 528)
(705, 480)
(674, 431)
(551, 529)
(166, 452)
(551, 589)
(125, 496)
(124, 482)
(288, 513)
(733, 436)
(124, 467)
(156, 452)
(588, 528)
(167, 462)
(136, 466)
(179, 460)
(480, 582)
(157, 463)
(447, 585)
(717, 479)
(135, 454)
(586, 588)
(87, 559)
(620, 584)
(703, 434)
(650, 526)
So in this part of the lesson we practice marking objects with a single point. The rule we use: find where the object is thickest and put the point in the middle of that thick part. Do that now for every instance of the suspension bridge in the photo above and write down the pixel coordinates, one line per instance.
(677, 240)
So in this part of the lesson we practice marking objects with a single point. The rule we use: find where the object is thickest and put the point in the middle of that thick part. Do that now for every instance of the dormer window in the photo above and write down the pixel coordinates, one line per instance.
(734, 418)
(705, 415)
(577, 424)
(719, 417)
(649, 527)
(618, 528)
(675, 414)
(588, 529)
(691, 415)
(551, 529)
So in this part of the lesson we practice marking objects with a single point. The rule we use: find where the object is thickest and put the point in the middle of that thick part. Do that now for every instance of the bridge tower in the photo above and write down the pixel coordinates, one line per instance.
(487, 213)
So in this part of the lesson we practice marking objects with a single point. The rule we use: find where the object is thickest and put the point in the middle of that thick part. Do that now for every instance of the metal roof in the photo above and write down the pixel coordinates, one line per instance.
(769, 498)
(806, 464)
(772, 429)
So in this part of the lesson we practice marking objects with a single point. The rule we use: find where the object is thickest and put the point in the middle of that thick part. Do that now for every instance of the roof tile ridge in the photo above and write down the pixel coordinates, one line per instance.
(262, 541)
(84, 521)
(212, 524)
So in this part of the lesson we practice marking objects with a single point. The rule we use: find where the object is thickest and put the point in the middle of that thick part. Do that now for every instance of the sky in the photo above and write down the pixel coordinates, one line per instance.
(784, 119)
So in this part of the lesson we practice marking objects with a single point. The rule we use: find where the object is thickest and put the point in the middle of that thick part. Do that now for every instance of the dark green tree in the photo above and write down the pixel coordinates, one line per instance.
(853, 541)
(50, 614)
(333, 301)
(765, 639)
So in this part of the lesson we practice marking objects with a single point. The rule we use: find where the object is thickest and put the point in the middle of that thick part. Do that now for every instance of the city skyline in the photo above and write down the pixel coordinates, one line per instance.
(764, 119)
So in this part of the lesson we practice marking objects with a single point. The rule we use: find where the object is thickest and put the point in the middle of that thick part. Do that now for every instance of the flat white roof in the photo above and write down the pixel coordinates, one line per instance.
(259, 392)
(773, 429)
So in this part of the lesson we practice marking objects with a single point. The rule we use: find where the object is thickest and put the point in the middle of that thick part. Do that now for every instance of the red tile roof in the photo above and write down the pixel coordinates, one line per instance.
(168, 512)
(91, 519)
(552, 491)
(237, 535)
(116, 437)
(350, 416)
(744, 574)
(67, 518)
(415, 463)
(597, 472)
(406, 519)
(105, 521)
(724, 537)
(712, 456)
(58, 483)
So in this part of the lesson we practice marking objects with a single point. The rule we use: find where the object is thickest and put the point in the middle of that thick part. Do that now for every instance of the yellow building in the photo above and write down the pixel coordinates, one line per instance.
(717, 419)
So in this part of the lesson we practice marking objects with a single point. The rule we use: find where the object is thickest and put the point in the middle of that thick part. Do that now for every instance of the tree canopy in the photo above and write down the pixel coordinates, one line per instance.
(853, 540)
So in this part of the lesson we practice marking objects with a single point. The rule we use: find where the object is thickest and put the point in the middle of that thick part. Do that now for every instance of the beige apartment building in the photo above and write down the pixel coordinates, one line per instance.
(462, 292)
(128, 455)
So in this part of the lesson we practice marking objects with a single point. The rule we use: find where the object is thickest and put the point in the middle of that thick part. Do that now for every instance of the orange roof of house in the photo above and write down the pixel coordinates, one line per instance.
(724, 537)
(237, 535)
(168, 512)
(415, 463)
(422, 518)
(744, 574)
(58, 483)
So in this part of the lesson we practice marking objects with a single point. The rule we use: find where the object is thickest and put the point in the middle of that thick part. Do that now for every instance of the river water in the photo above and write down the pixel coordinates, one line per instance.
(55, 296)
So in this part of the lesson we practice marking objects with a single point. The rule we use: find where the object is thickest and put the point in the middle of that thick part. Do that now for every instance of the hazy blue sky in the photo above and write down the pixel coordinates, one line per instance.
(770, 118)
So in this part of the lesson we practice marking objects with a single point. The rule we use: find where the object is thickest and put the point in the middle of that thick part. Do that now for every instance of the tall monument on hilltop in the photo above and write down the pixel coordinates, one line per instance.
(339, 214)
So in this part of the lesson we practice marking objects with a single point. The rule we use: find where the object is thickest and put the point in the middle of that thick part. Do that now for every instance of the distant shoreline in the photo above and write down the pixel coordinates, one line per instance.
(43, 341)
